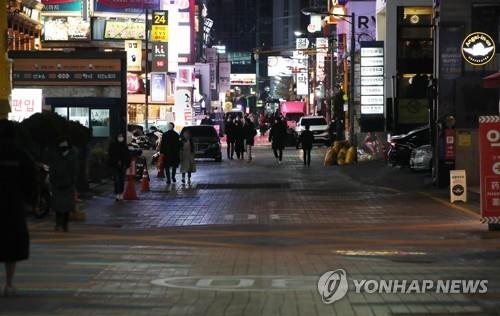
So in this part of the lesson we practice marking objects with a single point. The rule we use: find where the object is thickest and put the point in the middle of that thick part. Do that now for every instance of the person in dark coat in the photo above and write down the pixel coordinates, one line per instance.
(239, 139)
(63, 172)
(119, 161)
(249, 133)
(207, 120)
(18, 187)
(306, 138)
(229, 130)
(277, 136)
(170, 147)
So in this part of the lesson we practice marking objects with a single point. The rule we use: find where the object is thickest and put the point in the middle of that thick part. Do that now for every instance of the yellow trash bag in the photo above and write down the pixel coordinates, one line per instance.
(341, 156)
(350, 155)
(331, 156)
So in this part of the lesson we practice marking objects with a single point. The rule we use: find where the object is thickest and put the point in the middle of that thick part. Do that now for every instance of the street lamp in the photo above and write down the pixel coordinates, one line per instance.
(352, 17)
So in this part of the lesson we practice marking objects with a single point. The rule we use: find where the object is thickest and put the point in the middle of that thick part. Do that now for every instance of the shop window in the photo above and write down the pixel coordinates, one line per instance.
(100, 122)
(62, 112)
(80, 115)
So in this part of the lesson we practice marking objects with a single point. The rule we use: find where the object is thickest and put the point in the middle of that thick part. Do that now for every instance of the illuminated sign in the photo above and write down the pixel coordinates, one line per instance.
(120, 6)
(124, 30)
(71, 28)
(158, 87)
(243, 80)
(134, 55)
(25, 102)
(478, 48)
(159, 27)
(372, 78)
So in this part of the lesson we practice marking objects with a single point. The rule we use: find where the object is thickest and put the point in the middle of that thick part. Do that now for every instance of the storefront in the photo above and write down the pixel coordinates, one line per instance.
(408, 61)
(80, 86)
(467, 32)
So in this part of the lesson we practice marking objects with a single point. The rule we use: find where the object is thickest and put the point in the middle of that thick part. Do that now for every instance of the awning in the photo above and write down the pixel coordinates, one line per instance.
(492, 81)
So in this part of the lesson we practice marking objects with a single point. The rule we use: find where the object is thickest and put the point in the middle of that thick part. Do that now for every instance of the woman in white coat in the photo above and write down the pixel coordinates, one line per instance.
(187, 156)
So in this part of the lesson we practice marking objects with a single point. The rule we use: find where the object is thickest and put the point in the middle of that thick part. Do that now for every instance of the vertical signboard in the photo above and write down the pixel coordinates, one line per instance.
(489, 142)
(458, 186)
(159, 87)
(212, 61)
(321, 51)
(372, 78)
(160, 57)
(302, 66)
(134, 55)
(159, 26)
(224, 77)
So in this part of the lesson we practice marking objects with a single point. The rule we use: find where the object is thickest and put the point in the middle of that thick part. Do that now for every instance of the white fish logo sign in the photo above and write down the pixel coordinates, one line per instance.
(333, 286)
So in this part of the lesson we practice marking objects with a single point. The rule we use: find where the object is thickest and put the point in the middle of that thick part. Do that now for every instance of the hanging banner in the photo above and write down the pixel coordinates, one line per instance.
(224, 77)
(489, 143)
(134, 55)
(159, 87)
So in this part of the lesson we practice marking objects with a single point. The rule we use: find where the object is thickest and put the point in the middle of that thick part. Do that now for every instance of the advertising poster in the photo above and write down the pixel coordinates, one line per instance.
(67, 28)
(134, 55)
(130, 6)
(158, 87)
(25, 102)
(489, 142)
(185, 76)
(62, 5)
(124, 30)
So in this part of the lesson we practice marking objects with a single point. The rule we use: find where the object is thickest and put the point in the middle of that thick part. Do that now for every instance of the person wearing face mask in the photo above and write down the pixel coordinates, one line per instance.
(119, 161)
(170, 147)
(63, 172)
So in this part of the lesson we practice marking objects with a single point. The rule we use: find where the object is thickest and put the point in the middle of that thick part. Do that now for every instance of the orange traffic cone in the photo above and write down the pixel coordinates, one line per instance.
(130, 193)
(160, 165)
(145, 180)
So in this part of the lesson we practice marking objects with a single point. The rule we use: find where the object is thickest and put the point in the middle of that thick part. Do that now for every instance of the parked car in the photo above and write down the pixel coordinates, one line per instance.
(402, 146)
(206, 141)
(421, 158)
(318, 126)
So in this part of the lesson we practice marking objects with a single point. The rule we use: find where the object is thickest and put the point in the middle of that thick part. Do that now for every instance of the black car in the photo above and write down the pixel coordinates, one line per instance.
(402, 145)
(206, 141)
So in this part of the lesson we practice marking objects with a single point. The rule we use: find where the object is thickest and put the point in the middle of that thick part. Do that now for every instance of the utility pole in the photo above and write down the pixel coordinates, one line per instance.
(352, 89)
(5, 64)
(257, 46)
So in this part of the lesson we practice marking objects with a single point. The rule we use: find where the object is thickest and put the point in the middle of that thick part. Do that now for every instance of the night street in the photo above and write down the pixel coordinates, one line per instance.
(253, 239)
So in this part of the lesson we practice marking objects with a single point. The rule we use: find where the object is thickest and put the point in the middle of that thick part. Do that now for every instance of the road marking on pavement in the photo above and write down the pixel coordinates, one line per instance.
(275, 216)
(252, 216)
(228, 217)
(241, 283)
(454, 206)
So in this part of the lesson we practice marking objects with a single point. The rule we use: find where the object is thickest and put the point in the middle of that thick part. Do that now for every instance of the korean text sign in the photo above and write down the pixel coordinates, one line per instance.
(489, 140)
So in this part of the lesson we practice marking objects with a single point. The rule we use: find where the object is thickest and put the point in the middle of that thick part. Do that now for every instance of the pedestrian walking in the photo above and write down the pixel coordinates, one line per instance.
(249, 134)
(63, 171)
(239, 139)
(229, 130)
(306, 139)
(119, 161)
(18, 187)
(170, 148)
(277, 136)
(188, 164)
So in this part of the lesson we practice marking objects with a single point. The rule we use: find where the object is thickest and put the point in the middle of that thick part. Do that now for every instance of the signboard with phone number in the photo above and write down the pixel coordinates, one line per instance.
(489, 140)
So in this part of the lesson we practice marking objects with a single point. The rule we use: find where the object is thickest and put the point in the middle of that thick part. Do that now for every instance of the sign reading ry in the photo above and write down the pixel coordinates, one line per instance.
(489, 140)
